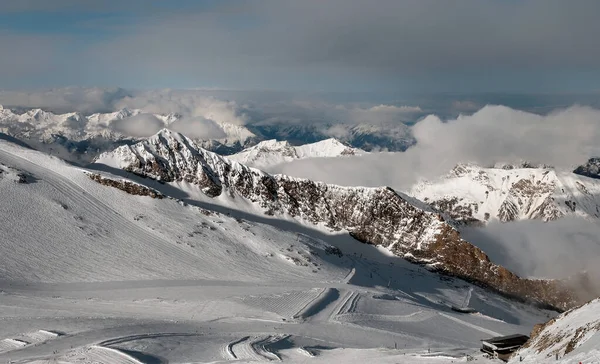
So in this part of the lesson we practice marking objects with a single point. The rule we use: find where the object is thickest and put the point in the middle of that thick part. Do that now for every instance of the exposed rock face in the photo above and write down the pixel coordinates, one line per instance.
(371, 215)
(565, 336)
(129, 187)
(471, 193)
(590, 169)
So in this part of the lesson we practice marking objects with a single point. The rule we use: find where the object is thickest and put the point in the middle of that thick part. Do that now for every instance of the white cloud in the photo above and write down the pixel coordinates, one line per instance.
(68, 99)
(141, 126)
(198, 128)
(379, 114)
(557, 249)
(186, 102)
(532, 248)
(564, 138)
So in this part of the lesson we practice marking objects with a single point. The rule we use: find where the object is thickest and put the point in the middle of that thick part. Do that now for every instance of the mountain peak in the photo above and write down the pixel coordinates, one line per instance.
(272, 152)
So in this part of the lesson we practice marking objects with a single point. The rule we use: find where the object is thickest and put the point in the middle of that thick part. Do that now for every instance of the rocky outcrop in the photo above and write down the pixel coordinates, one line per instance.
(565, 336)
(590, 169)
(126, 186)
(379, 216)
(470, 193)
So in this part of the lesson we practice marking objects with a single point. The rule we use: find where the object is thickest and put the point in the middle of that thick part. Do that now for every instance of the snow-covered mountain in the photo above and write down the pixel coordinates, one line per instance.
(573, 337)
(98, 267)
(272, 152)
(590, 169)
(81, 137)
(473, 194)
(379, 216)
(365, 136)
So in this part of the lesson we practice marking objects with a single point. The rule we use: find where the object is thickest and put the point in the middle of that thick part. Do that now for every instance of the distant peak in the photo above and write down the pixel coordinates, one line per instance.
(273, 142)
(166, 132)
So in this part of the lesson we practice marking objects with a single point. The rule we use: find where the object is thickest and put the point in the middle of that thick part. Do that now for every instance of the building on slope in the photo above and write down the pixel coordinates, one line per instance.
(572, 337)
(503, 347)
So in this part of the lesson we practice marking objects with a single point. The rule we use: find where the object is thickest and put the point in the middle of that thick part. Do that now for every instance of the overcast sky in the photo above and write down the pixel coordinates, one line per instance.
(309, 45)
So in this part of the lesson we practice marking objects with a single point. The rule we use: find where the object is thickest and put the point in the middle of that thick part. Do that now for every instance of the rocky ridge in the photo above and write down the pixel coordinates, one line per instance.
(474, 195)
(590, 169)
(378, 216)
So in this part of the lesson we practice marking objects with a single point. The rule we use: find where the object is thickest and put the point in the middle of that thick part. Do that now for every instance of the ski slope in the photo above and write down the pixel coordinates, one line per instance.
(89, 273)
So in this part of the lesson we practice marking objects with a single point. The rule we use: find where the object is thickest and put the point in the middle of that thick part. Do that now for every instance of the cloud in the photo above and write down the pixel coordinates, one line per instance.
(189, 103)
(378, 114)
(311, 44)
(465, 106)
(310, 111)
(557, 249)
(68, 99)
(141, 126)
(198, 128)
(564, 138)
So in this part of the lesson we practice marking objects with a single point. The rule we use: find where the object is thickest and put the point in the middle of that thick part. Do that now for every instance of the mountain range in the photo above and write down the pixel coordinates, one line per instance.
(80, 138)
(164, 208)
(380, 216)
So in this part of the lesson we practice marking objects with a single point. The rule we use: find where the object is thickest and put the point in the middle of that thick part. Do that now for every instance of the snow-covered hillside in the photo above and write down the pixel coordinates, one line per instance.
(97, 271)
(102, 274)
(474, 194)
(379, 216)
(272, 152)
(573, 337)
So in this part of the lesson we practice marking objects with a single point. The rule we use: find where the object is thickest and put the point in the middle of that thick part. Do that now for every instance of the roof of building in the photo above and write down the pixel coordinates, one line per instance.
(506, 342)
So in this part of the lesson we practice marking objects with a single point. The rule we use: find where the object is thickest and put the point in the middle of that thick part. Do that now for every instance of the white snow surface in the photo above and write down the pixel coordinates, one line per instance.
(102, 276)
(514, 194)
(269, 153)
(574, 336)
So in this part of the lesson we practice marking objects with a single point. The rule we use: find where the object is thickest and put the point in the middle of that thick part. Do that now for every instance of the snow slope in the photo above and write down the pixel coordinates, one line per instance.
(272, 152)
(122, 278)
(471, 193)
(573, 337)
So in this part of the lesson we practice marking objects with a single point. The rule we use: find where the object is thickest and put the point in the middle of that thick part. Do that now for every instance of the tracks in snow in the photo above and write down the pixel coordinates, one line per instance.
(26, 339)
(254, 348)
(99, 354)
(104, 215)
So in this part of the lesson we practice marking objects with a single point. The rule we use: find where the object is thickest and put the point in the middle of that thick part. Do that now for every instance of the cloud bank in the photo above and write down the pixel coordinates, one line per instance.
(564, 138)
(306, 45)
(139, 126)
(556, 249)
(198, 128)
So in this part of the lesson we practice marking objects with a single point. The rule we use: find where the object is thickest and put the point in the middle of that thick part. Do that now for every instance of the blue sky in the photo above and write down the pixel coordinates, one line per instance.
(309, 45)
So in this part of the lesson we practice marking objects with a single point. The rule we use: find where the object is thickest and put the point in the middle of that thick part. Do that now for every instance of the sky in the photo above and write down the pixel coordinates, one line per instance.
(310, 45)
